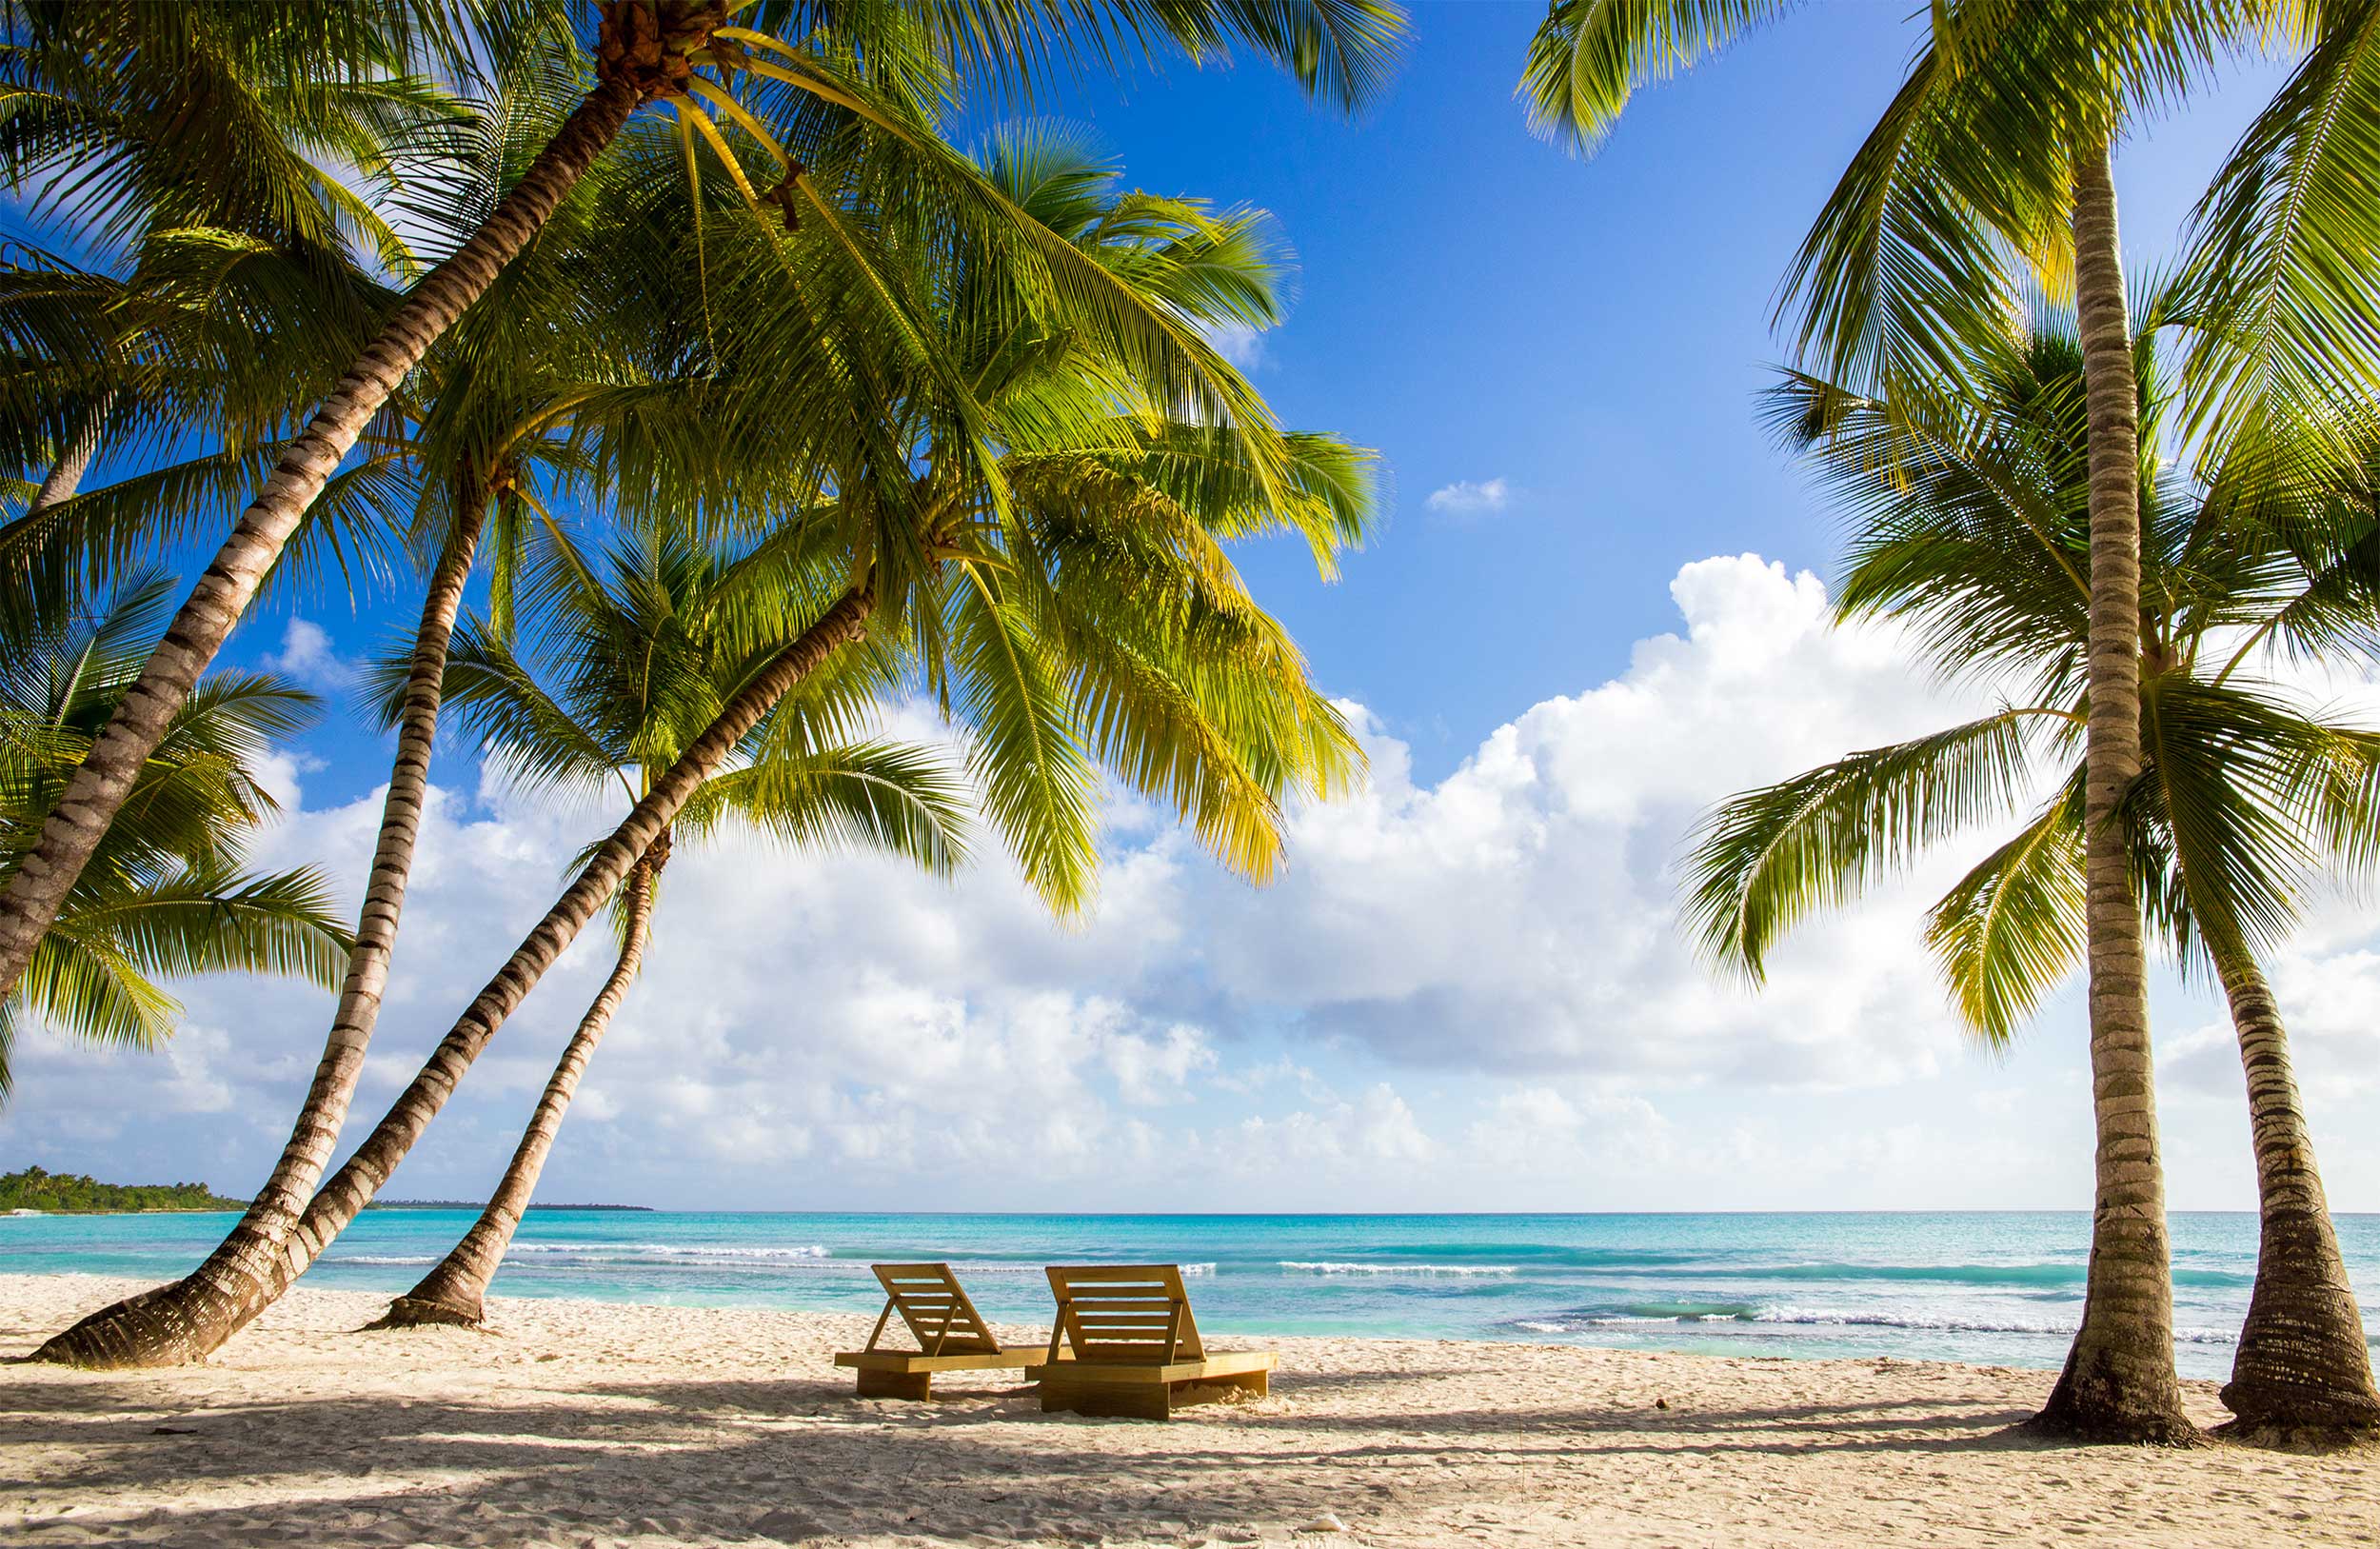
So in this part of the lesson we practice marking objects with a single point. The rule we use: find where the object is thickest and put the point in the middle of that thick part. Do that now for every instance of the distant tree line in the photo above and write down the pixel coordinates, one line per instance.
(36, 1188)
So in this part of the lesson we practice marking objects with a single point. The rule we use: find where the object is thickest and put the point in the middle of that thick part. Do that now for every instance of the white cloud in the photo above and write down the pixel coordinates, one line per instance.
(307, 655)
(1466, 498)
(1238, 344)
(1466, 993)
(1516, 916)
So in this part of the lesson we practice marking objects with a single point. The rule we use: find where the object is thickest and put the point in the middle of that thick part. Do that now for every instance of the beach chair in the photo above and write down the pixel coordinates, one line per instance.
(951, 1335)
(1134, 1345)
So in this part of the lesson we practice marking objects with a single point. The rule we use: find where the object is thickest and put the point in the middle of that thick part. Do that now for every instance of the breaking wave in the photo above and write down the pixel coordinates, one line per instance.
(2043, 1275)
(666, 1250)
(1298, 1266)
(1653, 1313)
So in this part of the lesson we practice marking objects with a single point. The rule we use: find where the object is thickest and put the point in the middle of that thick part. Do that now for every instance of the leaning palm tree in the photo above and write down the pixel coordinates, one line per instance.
(1994, 157)
(165, 896)
(546, 395)
(628, 664)
(914, 532)
(1970, 526)
(279, 150)
(726, 85)
(1081, 610)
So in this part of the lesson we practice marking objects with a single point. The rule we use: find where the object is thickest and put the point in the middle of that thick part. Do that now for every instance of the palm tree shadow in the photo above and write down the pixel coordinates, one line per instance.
(800, 1459)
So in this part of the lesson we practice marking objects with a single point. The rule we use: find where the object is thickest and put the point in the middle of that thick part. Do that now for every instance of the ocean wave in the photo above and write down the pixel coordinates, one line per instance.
(1654, 1312)
(2048, 1275)
(1931, 1323)
(1685, 1312)
(1938, 1323)
(1536, 1256)
(673, 1250)
(603, 1251)
(380, 1259)
(1298, 1266)
(1641, 1311)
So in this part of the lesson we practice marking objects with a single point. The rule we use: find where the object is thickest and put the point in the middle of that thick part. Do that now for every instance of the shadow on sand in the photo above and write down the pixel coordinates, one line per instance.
(788, 1462)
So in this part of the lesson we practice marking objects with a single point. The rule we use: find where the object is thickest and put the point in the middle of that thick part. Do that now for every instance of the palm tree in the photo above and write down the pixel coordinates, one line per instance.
(687, 54)
(277, 149)
(1995, 157)
(545, 391)
(2290, 310)
(1970, 526)
(1094, 620)
(165, 896)
(1220, 727)
(618, 675)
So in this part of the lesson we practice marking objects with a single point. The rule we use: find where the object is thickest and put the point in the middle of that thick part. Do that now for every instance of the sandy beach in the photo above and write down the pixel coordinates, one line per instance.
(593, 1423)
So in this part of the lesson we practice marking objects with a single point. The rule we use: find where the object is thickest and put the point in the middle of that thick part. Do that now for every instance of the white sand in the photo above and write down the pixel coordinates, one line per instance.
(589, 1424)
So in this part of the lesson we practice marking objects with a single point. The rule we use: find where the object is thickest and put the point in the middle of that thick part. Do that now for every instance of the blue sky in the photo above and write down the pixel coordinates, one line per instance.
(1467, 994)
(1478, 304)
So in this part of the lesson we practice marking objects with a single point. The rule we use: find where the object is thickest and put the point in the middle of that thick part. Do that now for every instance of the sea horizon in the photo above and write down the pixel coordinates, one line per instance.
(1990, 1287)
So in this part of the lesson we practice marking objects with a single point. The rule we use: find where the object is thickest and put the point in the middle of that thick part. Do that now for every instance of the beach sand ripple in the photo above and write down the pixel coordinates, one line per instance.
(592, 1424)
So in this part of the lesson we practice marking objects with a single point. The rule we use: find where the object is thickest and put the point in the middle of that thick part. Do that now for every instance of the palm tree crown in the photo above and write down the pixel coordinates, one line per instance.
(165, 895)
(1970, 528)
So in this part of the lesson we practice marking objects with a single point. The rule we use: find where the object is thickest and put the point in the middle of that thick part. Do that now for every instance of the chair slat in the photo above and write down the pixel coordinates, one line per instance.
(935, 1308)
(1123, 1313)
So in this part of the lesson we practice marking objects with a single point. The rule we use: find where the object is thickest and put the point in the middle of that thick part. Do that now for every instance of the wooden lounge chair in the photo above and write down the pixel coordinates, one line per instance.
(1135, 1346)
(951, 1335)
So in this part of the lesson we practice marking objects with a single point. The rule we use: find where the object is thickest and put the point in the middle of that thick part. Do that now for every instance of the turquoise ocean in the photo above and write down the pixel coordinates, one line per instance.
(2001, 1288)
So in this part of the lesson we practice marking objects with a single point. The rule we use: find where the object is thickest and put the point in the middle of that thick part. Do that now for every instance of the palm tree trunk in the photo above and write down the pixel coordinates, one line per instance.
(66, 474)
(223, 594)
(455, 1292)
(2303, 1363)
(162, 1315)
(2120, 1383)
(125, 1336)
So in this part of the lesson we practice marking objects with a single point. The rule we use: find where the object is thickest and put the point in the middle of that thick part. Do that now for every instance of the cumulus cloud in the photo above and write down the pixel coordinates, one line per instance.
(1516, 916)
(1467, 993)
(307, 655)
(1238, 344)
(1466, 498)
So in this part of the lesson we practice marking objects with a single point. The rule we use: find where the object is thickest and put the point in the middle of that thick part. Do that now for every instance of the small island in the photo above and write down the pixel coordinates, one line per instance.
(79, 1194)
(76, 1193)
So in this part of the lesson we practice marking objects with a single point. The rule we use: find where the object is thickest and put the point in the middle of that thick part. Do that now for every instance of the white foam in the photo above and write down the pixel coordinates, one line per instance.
(1937, 1323)
(668, 1250)
(813, 1251)
(1326, 1268)
(1931, 1322)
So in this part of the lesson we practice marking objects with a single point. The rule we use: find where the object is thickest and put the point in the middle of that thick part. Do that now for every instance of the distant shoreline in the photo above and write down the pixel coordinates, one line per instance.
(237, 1207)
(160, 1209)
(482, 1204)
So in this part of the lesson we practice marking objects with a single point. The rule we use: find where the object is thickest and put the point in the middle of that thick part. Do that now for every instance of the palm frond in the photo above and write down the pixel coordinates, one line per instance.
(1764, 860)
(2009, 930)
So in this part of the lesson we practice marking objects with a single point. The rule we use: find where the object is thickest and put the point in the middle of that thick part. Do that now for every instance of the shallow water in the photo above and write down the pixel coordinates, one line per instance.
(2003, 1288)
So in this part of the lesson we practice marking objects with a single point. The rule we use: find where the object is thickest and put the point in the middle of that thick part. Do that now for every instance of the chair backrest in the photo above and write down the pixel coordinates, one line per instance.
(934, 1306)
(1123, 1313)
